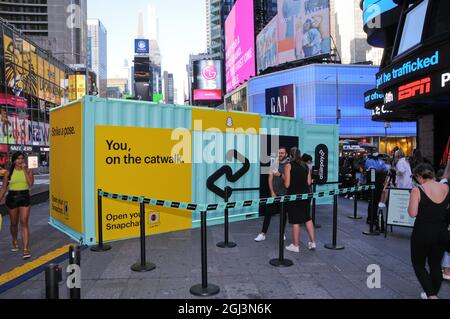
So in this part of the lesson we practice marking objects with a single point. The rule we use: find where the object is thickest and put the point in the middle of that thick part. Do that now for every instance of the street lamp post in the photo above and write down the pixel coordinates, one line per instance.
(338, 111)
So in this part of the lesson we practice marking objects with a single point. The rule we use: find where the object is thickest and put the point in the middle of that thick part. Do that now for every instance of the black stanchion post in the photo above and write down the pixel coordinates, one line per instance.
(100, 247)
(204, 289)
(143, 265)
(281, 261)
(75, 259)
(355, 208)
(52, 278)
(371, 232)
(226, 243)
(334, 245)
(313, 208)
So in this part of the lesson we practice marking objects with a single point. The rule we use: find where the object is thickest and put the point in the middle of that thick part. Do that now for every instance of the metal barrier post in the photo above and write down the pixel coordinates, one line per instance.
(334, 245)
(53, 276)
(143, 265)
(204, 289)
(313, 208)
(371, 232)
(75, 259)
(281, 261)
(100, 247)
(226, 243)
(355, 208)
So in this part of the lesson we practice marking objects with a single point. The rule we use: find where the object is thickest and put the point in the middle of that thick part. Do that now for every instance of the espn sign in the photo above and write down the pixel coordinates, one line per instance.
(415, 88)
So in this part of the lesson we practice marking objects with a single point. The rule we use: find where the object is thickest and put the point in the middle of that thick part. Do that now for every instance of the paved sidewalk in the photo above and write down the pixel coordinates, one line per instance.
(242, 272)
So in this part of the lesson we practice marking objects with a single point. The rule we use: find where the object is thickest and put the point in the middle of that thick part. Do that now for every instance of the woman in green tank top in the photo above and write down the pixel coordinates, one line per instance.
(18, 179)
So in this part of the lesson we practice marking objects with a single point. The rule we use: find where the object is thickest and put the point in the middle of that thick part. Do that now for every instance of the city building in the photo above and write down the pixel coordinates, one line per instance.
(265, 10)
(132, 82)
(124, 72)
(350, 38)
(169, 93)
(32, 82)
(413, 83)
(117, 88)
(323, 94)
(154, 52)
(58, 26)
(97, 53)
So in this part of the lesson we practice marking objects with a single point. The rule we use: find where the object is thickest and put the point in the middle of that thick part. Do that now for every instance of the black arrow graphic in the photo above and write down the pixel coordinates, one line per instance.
(228, 172)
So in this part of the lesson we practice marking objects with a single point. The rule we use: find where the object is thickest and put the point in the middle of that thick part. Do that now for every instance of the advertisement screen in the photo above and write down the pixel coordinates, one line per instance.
(267, 45)
(207, 80)
(141, 46)
(207, 95)
(300, 30)
(239, 44)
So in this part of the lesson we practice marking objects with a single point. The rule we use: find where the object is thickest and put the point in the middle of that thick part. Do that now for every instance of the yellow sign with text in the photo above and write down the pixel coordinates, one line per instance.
(66, 169)
(140, 162)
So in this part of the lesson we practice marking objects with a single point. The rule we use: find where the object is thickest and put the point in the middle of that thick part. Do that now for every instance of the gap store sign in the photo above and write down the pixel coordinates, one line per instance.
(280, 101)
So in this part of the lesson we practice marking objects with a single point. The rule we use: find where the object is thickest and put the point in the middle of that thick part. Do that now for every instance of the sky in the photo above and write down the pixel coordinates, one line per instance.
(182, 30)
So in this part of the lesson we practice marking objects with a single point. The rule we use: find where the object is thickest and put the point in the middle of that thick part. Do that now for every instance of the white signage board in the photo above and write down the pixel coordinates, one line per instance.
(398, 208)
(33, 162)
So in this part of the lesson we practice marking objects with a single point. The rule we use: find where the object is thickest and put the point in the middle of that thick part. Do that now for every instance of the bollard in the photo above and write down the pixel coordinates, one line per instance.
(355, 209)
(53, 275)
(226, 243)
(334, 245)
(313, 208)
(281, 261)
(204, 289)
(371, 232)
(143, 265)
(75, 259)
(100, 247)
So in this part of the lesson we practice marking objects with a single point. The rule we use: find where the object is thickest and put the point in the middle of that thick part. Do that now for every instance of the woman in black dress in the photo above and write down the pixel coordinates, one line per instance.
(297, 179)
(429, 203)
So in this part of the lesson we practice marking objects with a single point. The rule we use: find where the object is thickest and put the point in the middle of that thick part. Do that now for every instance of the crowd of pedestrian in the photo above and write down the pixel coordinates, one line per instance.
(429, 205)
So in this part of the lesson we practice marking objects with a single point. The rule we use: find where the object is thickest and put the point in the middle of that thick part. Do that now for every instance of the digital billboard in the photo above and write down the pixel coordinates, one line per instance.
(267, 46)
(141, 46)
(29, 72)
(300, 30)
(239, 44)
(207, 80)
(374, 8)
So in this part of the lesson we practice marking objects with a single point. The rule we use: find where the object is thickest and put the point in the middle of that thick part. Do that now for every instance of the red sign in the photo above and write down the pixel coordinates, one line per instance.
(9, 99)
(207, 95)
(415, 88)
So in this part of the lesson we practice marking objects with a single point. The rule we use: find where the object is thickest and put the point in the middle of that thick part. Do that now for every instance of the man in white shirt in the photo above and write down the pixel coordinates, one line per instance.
(403, 171)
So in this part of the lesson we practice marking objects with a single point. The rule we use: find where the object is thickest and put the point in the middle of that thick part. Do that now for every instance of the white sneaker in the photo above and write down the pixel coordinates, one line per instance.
(311, 245)
(260, 237)
(423, 295)
(293, 248)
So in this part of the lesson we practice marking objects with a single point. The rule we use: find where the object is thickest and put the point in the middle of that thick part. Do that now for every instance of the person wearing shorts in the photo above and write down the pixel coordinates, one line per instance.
(17, 181)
